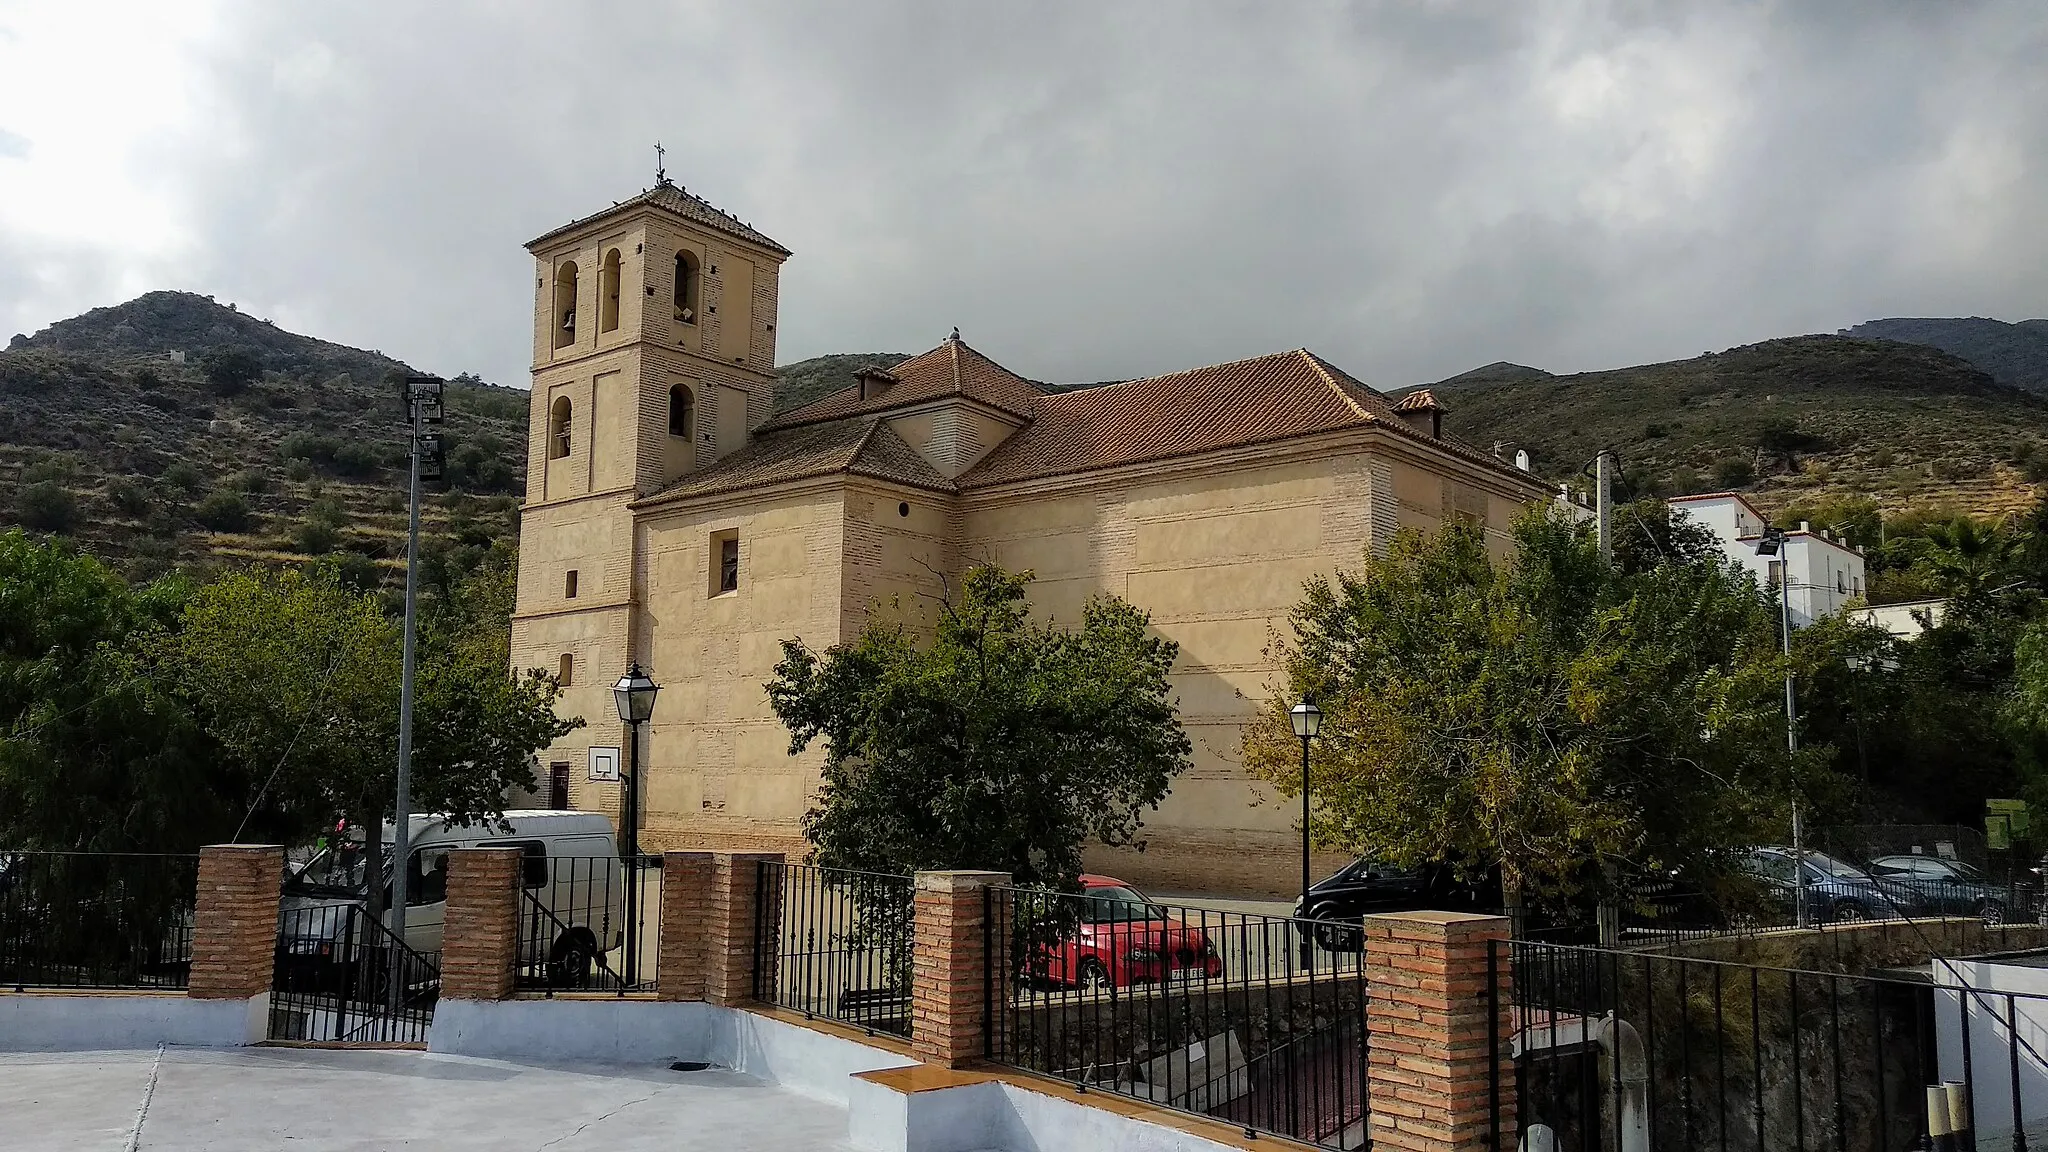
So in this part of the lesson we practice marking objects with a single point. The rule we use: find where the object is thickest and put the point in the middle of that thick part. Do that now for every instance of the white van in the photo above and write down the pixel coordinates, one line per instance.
(571, 907)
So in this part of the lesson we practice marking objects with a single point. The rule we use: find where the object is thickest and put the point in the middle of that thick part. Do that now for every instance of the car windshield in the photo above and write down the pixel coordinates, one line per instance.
(1829, 866)
(334, 870)
(1116, 904)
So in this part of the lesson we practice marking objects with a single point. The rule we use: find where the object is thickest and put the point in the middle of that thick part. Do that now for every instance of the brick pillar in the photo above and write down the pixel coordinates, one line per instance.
(1427, 1015)
(234, 920)
(729, 928)
(682, 960)
(480, 935)
(948, 997)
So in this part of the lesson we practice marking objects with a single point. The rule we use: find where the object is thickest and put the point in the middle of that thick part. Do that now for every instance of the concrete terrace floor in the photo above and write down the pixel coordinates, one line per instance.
(311, 1100)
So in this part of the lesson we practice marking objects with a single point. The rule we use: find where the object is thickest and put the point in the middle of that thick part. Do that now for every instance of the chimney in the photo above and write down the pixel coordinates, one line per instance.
(1420, 411)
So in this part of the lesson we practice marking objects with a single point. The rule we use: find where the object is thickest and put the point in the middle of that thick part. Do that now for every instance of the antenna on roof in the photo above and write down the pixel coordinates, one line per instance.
(660, 172)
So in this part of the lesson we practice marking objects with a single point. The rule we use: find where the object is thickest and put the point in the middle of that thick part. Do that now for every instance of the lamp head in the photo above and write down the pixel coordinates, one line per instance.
(1307, 719)
(634, 694)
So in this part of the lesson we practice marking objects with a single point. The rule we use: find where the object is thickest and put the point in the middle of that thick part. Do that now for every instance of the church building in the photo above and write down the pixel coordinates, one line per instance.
(678, 516)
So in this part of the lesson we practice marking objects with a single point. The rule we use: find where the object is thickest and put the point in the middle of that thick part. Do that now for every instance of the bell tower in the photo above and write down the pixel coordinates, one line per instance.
(653, 356)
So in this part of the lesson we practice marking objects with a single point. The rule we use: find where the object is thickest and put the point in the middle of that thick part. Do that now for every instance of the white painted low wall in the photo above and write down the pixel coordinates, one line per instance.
(985, 1117)
(102, 1021)
(636, 1031)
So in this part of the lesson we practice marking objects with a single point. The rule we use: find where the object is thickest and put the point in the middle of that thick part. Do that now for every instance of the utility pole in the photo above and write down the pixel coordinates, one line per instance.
(1603, 503)
(423, 410)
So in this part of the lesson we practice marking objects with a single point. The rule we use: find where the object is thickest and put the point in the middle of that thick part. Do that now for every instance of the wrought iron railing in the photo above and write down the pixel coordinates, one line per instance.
(589, 924)
(341, 976)
(835, 944)
(95, 920)
(1255, 1020)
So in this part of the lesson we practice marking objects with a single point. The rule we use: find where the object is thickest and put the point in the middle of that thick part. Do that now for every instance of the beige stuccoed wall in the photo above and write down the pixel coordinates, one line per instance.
(719, 772)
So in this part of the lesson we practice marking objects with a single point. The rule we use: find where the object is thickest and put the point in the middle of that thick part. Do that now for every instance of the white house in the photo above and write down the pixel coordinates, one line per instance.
(1826, 570)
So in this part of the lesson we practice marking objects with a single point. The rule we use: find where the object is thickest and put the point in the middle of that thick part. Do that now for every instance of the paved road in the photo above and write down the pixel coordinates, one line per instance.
(338, 1101)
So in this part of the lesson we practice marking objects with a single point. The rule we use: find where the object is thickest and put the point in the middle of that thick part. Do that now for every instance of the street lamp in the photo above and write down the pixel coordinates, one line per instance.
(634, 694)
(1308, 720)
(1772, 544)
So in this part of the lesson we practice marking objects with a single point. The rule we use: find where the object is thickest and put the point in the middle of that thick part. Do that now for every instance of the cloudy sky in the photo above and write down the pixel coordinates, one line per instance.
(1087, 190)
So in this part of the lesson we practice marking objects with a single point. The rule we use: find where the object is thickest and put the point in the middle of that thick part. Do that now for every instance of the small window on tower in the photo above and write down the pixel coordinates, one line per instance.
(686, 287)
(608, 293)
(682, 411)
(558, 429)
(725, 563)
(565, 673)
(569, 585)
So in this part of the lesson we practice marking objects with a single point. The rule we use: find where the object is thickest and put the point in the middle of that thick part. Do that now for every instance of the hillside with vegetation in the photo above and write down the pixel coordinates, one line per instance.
(2013, 354)
(176, 431)
(1799, 420)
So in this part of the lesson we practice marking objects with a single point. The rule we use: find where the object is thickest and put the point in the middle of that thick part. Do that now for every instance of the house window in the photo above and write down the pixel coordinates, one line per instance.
(558, 429)
(558, 784)
(1840, 584)
(565, 304)
(725, 563)
(682, 411)
(686, 287)
(569, 585)
(565, 673)
(608, 293)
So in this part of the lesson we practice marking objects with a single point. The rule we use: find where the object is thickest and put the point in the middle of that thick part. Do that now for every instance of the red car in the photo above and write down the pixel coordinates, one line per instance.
(1124, 939)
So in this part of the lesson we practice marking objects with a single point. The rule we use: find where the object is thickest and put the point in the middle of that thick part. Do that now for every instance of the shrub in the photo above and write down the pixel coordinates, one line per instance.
(146, 379)
(358, 459)
(47, 507)
(184, 474)
(316, 537)
(251, 480)
(129, 498)
(1734, 472)
(298, 470)
(223, 512)
(307, 446)
(230, 370)
(57, 469)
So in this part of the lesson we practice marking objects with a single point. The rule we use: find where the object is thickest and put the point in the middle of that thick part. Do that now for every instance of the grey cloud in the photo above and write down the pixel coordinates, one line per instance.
(1093, 191)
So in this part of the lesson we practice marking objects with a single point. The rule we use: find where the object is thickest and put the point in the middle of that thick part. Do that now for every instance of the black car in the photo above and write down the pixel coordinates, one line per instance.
(1336, 903)
(1947, 886)
(1835, 891)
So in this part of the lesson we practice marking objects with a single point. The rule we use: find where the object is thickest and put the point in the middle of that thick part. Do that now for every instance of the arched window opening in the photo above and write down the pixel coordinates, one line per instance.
(682, 412)
(565, 304)
(558, 429)
(686, 287)
(608, 285)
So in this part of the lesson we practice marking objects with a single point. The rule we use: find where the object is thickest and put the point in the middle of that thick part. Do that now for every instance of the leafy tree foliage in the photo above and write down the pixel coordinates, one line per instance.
(231, 370)
(263, 703)
(1540, 713)
(999, 743)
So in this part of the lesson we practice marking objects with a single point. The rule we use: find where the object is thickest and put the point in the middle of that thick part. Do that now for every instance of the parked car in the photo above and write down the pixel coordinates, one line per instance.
(1330, 912)
(1945, 886)
(583, 903)
(1122, 940)
(1835, 890)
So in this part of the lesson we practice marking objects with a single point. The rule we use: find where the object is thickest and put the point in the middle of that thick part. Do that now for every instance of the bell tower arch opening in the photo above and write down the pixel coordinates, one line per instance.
(565, 304)
(608, 293)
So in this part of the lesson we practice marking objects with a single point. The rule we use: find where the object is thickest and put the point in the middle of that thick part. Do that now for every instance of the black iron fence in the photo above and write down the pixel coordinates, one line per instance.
(95, 920)
(341, 976)
(589, 924)
(1255, 1020)
(1622, 1050)
(835, 944)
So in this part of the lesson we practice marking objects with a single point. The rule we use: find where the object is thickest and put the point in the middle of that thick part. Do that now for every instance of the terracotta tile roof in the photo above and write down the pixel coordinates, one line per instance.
(951, 369)
(861, 447)
(1419, 401)
(1248, 402)
(666, 196)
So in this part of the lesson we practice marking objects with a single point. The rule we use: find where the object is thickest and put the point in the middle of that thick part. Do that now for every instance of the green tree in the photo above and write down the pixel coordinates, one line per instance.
(1569, 724)
(1000, 743)
(223, 511)
(47, 507)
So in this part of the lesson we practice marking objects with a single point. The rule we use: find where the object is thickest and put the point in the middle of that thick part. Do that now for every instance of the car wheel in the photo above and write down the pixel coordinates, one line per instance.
(1992, 911)
(569, 963)
(1848, 911)
(1094, 977)
(1334, 937)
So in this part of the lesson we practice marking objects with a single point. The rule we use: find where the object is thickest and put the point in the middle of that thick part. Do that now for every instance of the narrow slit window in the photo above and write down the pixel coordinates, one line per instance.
(565, 673)
(725, 563)
(686, 287)
(682, 411)
(565, 304)
(569, 585)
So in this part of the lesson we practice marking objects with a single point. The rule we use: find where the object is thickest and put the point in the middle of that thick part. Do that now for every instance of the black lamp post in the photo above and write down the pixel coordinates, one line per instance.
(634, 694)
(1308, 720)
